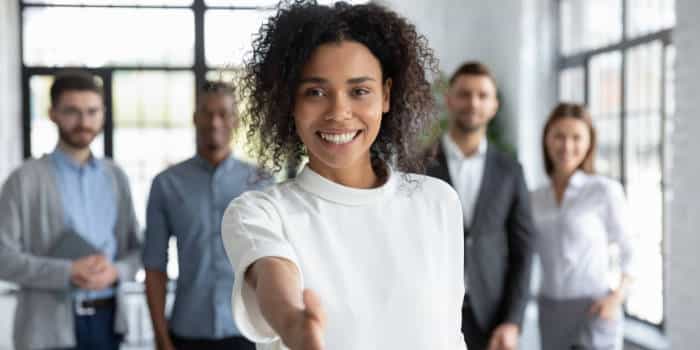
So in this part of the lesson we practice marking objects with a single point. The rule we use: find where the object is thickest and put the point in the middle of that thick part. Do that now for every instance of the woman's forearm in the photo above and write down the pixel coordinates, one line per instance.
(277, 285)
(623, 287)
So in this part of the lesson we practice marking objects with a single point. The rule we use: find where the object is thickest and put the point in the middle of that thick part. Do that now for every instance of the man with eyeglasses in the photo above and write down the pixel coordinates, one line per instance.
(187, 202)
(68, 232)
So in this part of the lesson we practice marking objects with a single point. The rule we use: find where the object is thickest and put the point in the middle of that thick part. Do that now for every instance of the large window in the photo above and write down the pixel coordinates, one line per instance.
(150, 56)
(616, 56)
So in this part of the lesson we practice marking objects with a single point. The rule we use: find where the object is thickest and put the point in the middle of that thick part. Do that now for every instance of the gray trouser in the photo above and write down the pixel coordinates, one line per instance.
(566, 324)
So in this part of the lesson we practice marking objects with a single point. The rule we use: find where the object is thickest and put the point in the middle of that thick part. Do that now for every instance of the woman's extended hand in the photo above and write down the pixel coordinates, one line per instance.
(305, 328)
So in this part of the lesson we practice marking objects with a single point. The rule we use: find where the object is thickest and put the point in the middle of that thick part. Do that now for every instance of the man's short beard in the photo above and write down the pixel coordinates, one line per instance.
(64, 136)
(466, 128)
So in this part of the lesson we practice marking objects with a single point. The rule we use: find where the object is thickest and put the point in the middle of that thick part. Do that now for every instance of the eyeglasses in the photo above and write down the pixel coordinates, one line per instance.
(74, 113)
(217, 86)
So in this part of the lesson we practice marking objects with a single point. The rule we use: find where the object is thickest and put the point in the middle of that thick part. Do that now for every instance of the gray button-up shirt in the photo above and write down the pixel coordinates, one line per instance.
(187, 201)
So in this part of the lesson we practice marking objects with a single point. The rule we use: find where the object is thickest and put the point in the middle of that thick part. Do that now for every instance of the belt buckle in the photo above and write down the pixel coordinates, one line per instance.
(81, 310)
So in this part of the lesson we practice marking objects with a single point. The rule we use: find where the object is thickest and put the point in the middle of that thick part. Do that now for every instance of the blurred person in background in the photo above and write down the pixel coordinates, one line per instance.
(187, 201)
(498, 227)
(68, 232)
(578, 216)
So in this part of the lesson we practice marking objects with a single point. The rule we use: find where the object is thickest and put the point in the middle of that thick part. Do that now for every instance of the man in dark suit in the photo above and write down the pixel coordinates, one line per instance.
(499, 230)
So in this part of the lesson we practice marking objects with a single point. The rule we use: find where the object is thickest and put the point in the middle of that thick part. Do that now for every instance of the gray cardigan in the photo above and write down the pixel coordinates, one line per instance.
(31, 219)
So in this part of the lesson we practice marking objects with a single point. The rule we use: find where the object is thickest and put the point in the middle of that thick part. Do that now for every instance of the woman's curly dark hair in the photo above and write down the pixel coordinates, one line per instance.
(284, 45)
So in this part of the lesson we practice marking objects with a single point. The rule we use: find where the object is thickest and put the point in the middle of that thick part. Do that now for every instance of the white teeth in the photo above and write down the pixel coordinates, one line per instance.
(339, 138)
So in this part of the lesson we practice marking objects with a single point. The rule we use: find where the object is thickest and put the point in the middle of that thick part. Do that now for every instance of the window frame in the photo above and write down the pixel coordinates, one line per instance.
(582, 59)
(199, 67)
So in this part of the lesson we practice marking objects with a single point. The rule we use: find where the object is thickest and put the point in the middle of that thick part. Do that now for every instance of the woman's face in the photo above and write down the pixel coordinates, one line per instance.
(338, 106)
(567, 141)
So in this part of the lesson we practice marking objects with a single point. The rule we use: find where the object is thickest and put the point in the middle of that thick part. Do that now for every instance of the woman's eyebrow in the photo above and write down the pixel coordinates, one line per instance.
(313, 80)
(319, 80)
(360, 80)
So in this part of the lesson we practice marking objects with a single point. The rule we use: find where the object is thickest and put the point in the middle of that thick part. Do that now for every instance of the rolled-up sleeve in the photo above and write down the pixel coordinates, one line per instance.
(252, 229)
(155, 248)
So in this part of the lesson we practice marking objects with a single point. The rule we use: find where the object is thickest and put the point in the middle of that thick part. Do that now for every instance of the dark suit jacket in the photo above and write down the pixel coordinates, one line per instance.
(499, 244)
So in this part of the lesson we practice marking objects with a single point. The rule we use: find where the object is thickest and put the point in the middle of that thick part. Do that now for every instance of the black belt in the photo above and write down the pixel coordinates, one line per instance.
(98, 303)
(89, 307)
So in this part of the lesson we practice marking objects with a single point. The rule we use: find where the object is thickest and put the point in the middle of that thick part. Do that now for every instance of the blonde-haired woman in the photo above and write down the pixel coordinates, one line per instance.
(579, 215)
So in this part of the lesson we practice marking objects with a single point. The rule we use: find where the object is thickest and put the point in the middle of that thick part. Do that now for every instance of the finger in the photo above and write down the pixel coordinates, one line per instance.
(501, 343)
(595, 309)
(607, 314)
(99, 259)
(90, 259)
(80, 281)
(99, 267)
(493, 343)
(84, 276)
(314, 309)
(511, 342)
(317, 341)
(98, 284)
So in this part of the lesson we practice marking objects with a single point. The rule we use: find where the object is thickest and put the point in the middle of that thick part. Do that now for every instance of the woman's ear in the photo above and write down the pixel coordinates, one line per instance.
(386, 102)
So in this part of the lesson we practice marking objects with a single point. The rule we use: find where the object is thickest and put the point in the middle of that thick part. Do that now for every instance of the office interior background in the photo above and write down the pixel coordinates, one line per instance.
(634, 63)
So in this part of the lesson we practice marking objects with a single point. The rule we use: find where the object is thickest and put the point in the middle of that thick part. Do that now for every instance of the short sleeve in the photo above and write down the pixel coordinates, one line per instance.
(252, 229)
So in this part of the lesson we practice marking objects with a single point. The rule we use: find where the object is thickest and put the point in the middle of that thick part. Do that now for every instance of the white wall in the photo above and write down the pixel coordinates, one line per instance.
(683, 297)
(10, 118)
(515, 39)
(10, 131)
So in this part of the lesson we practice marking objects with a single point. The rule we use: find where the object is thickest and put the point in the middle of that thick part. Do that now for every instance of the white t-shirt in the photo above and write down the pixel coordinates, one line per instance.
(386, 262)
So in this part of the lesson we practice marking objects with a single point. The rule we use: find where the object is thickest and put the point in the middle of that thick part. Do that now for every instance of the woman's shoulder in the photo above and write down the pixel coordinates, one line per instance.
(266, 198)
(604, 184)
(427, 188)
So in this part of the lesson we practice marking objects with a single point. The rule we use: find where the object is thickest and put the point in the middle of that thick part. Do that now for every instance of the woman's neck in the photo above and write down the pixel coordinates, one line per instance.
(560, 180)
(358, 175)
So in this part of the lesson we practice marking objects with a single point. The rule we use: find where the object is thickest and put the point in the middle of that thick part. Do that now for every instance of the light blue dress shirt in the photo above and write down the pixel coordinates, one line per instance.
(187, 201)
(89, 207)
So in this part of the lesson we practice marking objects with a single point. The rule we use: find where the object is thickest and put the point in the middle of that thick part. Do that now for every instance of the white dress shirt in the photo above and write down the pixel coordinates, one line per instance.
(466, 174)
(575, 237)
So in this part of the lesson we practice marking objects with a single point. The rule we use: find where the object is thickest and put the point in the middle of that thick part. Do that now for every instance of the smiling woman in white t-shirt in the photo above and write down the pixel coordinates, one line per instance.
(352, 253)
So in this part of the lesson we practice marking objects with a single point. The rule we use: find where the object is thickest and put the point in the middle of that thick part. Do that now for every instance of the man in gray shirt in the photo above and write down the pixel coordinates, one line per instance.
(68, 233)
(187, 201)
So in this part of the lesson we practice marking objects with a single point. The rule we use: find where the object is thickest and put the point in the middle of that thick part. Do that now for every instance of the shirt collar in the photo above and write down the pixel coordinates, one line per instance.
(313, 182)
(226, 164)
(62, 158)
(578, 179)
(453, 151)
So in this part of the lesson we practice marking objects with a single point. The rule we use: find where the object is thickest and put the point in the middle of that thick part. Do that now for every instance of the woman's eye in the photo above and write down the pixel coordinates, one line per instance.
(314, 92)
(360, 92)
